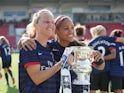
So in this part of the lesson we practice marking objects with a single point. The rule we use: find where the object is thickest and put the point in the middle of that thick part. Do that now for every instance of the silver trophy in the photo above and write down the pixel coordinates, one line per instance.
(81, 65)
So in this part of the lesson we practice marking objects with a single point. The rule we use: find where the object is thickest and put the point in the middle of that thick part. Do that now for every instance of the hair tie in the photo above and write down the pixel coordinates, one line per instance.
(59, 20)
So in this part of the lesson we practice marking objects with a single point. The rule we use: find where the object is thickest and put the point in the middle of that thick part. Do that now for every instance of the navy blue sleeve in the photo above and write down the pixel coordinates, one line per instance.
(28, 56)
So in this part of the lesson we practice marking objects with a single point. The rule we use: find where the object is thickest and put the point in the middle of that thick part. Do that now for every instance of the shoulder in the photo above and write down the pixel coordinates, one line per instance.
(91, 41)
(3, 45)
(52, 43)
(27, 52)
(109, 37)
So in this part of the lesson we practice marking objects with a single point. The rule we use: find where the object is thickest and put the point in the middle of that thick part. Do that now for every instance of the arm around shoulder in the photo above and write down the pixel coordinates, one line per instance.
(120, 39)
(26, 43)
(19, 44)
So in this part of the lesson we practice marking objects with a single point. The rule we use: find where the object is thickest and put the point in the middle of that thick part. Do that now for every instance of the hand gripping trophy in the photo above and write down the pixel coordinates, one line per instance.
(81, 65)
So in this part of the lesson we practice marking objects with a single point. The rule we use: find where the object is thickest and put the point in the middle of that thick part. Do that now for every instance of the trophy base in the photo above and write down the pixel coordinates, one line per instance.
(77, 82)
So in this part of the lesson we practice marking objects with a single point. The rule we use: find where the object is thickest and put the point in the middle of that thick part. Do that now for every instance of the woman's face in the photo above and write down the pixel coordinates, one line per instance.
(46, 25)
(65, 32)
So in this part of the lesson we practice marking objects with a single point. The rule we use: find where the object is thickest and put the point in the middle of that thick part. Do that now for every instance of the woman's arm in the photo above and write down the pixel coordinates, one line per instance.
(111, 56)
(26, 43)
(38, 76)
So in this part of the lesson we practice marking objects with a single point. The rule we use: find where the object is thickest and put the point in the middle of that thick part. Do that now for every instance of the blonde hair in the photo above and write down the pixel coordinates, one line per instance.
(97, 30)
(4, 39)
(31, 30)
(92, 31)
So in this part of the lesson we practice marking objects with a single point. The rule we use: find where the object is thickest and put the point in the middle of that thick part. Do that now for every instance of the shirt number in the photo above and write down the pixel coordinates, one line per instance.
(121, 59)
(7, 51)
(102, 49)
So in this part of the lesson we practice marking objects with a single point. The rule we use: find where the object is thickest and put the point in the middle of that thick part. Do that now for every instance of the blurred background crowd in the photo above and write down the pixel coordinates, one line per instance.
(15, 14)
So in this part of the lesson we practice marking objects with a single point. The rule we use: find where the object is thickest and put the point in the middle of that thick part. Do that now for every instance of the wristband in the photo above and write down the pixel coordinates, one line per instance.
(99, 62)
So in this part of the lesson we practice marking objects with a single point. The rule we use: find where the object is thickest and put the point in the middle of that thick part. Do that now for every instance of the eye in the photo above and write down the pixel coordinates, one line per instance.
(46, 21)
(65, 28)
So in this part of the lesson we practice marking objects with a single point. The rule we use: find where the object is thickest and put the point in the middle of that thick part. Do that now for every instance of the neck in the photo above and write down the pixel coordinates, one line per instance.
(63, 43)
(42, 41)
(96, 36)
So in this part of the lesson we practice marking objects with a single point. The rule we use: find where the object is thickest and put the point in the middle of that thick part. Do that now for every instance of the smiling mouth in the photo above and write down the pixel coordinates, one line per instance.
(70, 36)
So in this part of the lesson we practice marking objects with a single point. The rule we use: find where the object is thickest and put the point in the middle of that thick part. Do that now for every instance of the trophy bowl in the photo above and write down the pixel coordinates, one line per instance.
(82, 64)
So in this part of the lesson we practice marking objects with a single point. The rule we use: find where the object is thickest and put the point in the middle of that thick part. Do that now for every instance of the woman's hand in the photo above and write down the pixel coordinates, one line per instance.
(27, 43)
(70, 59)
(99, 62)
(96, 55)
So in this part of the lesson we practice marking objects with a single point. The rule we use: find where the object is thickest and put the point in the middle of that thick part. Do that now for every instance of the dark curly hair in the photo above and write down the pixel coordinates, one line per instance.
(116, 32)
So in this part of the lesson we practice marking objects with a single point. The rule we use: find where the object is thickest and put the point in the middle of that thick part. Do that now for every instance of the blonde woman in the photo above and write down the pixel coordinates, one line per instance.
(5, 53)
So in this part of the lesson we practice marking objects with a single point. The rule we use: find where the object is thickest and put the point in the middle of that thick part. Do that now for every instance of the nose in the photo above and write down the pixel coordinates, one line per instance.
(71, 31)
